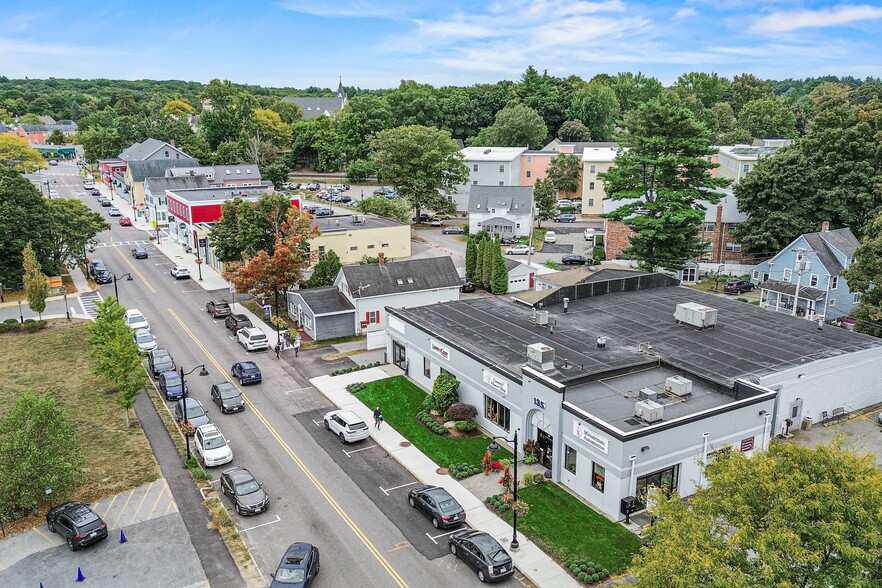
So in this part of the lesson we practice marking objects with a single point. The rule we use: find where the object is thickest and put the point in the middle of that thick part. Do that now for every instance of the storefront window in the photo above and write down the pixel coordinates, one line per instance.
(570, 458)
(667, 480)
(598, 476)
(427, 367)
(497, 413)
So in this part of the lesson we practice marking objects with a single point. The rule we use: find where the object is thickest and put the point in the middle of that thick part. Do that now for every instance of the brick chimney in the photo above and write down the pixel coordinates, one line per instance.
(381, 258)
(825, 227)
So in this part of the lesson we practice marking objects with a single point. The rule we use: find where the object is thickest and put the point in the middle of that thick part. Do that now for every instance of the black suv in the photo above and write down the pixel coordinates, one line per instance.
(77, 523)
(235, 322)
(95, 266)
(103, 276)
(738, 286)
(218, 308)
(159, 360)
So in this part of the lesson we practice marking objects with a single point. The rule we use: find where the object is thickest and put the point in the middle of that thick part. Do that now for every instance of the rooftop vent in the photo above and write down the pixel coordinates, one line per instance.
(541, 357)
(541, 317)
(357, 219)
(697, 315)
(649, 411)
(678, 386)
(648, 394)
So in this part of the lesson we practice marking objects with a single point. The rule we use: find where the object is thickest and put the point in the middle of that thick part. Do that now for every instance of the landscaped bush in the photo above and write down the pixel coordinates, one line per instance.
(356, 387)
(461, 412)
(538, 478)
(354, 368)
(466, 426)
(463, 470)
(444, 394)
(32, 326)
(431, 424)
(9, 326)
(498, 503)
(587, 571)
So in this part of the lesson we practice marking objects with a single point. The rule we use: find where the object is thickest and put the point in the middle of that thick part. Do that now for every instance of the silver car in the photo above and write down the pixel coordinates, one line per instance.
(145, 340)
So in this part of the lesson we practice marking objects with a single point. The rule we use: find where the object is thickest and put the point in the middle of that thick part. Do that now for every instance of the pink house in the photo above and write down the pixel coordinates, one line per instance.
(534, 166)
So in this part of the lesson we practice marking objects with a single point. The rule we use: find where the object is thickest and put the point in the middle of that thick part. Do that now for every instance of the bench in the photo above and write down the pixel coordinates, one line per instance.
(839, 414)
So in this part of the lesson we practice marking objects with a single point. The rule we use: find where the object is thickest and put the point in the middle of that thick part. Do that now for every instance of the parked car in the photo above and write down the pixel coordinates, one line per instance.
(481, 552)
(344, 199)
(96, 192)
(236, 322)
(135, 320)
(246, 493)
(468, 285)
(565, 218)
(589, 234)
(196, 413)
(299, 566)
(106, 203)
(340, 187)
(218, 308)
(77, 523)
(574, 259)
(347, 425)
(179, 272)
(435, 222)
(103, 276)
(738, 286)
(53, 194)
(323, 211)
(171, 385)
(125, 221)
(139, 252)
(247, 372)
(227, 398)
(311, 186)
(383, 190)
(519, 250)
(159, 360)
(453, 230)
(145, 340)
(564, 203)
(52, 162)
(96, 265)
(437, 504)
(550, 237)
(114, 212)
(508, 240)
(252, 338)
(212, 446)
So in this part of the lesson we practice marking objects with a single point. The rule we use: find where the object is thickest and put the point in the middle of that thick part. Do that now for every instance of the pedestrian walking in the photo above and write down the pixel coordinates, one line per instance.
(278, 349)
(378, 417)
(296, 344)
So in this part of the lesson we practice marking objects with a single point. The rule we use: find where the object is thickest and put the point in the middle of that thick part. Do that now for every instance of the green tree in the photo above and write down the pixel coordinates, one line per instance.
(109, 313)
(487, 266)
(39, 448)
(707, 88)
(23, 218)
(325, 271)
(424, 164)
(632, 90)
(123, 367)
(360, 170)
(864, 276)
(575, 131)
(747, 88)
(16, 154)
(290, 112)
(766, 119)
(499, 276)
(545, 200)
(413, 104)
(72, 226)
(598, 108)
(565, 173)
(100, 143)
(177, 107)
(515, 126)
(246, 228)
(663, 174)
(36, 284)
(789, 516)
(394, 208)
(480, 250)
(277, 173)
(56, 137)
(30, 119)
(471, 257)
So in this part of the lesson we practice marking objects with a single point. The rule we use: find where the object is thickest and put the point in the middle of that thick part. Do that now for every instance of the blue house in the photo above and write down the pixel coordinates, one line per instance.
(805, 278)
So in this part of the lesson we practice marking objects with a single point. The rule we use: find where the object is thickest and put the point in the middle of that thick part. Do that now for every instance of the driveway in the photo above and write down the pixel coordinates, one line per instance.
(861, 433)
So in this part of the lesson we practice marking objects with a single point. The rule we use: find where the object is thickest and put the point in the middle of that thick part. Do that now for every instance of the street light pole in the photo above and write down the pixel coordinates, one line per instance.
(66, 307)
(128, 277)
(515, 545)
(278, 334)
(204, 372)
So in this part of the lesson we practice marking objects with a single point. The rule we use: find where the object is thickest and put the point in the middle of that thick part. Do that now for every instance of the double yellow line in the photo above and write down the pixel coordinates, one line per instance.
(126, 259)
(315, 481)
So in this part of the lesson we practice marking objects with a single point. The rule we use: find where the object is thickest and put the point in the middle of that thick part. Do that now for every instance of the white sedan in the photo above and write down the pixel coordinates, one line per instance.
(145, 340)
(519, 250)
(550, 237)
(179, 272)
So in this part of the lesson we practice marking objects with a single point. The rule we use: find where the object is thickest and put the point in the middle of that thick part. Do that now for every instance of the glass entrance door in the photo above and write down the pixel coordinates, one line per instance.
(546, 445)
(667, 480)
(399, 355)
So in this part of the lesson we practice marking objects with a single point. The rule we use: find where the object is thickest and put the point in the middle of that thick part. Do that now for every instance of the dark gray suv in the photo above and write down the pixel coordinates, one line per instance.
(77, 523)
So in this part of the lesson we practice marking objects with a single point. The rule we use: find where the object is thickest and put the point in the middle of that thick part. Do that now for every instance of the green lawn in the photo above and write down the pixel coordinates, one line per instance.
(400, 400)
(565, 528)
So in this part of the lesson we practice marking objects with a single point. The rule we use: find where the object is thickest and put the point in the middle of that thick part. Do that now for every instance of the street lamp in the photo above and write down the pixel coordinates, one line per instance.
(278, 334)
(493, 447)
(204, 372)
(116, 279)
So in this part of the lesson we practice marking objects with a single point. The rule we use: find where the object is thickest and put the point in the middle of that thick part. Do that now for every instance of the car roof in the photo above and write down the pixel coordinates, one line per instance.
(347, 415)
(296, 553)
(485, 542)
(78, 512)
(133, 312)
(170, 374)
(239, 474)
(225, 386)
(209, 430)
(437, 492)
(247, 364)
(241, 317)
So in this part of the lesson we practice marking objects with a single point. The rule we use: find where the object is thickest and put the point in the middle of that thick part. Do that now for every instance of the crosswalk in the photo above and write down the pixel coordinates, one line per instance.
(122, 243)
(89, 301)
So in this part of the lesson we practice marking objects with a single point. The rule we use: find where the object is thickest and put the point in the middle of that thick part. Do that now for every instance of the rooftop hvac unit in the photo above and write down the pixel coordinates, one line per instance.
(649, 411)
(542, 317)
(540, 356)
(678, 386)
(697, 315)
(648, 394)
(357, 219)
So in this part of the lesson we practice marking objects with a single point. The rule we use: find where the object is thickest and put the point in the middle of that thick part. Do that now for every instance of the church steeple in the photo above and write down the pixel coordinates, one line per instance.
(341, 91)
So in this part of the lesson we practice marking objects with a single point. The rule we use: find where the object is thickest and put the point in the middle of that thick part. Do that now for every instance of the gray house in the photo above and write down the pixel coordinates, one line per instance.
(506, 211)
(323, 313)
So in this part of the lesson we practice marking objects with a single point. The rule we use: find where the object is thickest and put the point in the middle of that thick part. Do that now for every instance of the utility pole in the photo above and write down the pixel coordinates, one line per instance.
(802, 266)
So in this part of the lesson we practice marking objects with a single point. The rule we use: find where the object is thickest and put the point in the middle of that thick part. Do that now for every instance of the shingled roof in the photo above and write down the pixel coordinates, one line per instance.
(401, 276)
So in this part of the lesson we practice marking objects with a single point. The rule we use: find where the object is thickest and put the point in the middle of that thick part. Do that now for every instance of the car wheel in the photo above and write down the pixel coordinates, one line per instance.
(70, 544)
(453, 548)
(238, 509)
(481, 576)
(241, 382)
(411, 501)
(342, 439)
(50, 526)
(327, 426)
(435, 522)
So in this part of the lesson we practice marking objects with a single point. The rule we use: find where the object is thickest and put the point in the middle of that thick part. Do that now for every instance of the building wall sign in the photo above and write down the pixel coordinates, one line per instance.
(496, 383)
(590, 437)
(440, 350)
(539, 402)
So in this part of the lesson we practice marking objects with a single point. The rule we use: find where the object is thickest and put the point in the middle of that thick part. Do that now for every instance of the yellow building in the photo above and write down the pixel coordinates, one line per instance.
(355, 236)
(597, 158)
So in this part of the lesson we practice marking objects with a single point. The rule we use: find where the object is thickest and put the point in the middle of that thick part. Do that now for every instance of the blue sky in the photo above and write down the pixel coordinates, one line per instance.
(377, 43)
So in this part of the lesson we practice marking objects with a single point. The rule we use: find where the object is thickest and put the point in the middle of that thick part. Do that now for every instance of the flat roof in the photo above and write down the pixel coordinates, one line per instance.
(330, 225)
(491, 153)
(218, 193)
(746, 341)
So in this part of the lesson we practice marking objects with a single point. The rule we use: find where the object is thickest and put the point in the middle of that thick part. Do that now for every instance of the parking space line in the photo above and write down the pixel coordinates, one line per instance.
(387, 490)
(349, 453)
(123, 510)
(441, 535)
(44, 536)
(317, 423)
(398, 546)
(260, 525)
(191, 291)
(141, 503)
(287, 392)
(109, 506)
(156, 502)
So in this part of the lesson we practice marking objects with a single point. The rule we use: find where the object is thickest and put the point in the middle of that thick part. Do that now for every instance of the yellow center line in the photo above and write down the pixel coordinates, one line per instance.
(125, 258)
(315, 481)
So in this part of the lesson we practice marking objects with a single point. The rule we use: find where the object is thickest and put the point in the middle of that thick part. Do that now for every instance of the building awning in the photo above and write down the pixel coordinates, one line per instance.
(788, 288)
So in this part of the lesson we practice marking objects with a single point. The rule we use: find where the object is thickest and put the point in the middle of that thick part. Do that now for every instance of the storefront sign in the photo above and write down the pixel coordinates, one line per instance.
(496, 383)
(590, 437)
(440, 350)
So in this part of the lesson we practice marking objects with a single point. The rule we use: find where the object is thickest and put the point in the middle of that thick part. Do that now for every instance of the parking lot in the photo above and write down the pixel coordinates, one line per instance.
(861, 432)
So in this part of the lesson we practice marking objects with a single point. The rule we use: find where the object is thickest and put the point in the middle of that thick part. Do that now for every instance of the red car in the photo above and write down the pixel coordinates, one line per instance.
(125, 221)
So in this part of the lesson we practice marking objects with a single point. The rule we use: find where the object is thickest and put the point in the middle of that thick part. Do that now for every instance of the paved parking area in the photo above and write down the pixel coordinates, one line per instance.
(861, 432)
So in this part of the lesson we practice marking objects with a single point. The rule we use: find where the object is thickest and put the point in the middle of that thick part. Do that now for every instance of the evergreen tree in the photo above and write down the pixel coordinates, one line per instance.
(36, 285)
(499, 279)
(487, 267)
(479, 263)
(471, 257)
(325, 271)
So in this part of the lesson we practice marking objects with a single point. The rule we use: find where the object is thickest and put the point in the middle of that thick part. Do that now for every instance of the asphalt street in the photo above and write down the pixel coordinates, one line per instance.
(315, 497)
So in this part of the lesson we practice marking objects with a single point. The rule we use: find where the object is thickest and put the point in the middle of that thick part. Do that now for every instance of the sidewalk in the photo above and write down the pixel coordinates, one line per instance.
(529, 559)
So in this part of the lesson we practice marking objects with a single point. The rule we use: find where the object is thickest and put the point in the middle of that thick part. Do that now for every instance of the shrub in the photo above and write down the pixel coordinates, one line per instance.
(10, 321)
(466, 426)
(356, 387)
(9, 327)
(463, 470)
(587, 571)
(461, 412)
(528, 479)
(583, 577)
(431, 424)
(34, 326)
(444, 394)
(538, 478)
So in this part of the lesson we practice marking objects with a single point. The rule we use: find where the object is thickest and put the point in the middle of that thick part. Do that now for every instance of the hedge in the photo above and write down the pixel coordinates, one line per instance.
(463, 470)
(355, 368)
(466, 426)
(431, 424)
(587, 571)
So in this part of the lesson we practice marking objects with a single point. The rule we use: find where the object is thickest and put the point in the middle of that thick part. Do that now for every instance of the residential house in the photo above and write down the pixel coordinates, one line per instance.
(506, 211)
(805, 278)
(401, 284)
(149, 159)
(597, 158)
(155, 201)
(488, 166)
(39, 134)
(323, 313)
(534, 166)
(736, 161)
(313, 107)
(356, 236)
(239, 174)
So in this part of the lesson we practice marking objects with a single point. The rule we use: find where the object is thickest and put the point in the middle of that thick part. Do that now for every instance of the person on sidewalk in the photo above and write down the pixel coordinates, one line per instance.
(277, 349)
(378, 417)
(296, 344)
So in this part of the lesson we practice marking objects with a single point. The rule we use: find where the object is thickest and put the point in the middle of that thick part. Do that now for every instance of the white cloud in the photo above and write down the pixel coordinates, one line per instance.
(346, 9)
(779, 22)
(685, 13)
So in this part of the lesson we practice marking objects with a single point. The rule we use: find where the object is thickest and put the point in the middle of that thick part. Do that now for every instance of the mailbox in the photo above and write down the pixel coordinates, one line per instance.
(629, 506)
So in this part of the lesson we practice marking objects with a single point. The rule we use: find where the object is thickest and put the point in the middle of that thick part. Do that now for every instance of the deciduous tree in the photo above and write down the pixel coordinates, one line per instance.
(565, 173)
(325, 271)
(16, 154)
(598, 108)
(865, 276)
(545, 200)
(36, 285)
(574, 130)
(23, 218)
(72, 225)
(747, 88)
(56, 137)
(394, 208)
(515, 126)
(767, 118)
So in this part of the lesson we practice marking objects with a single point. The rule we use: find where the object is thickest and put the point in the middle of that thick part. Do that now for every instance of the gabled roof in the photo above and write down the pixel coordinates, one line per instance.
(143, 150)
(322, 301)
(238, 171)
(313, 107)
(140, 169)
(516, 199)
(823, 243)
(47, 120)
(158, 185)
(203, 170)
(399, 277)
(35, 128)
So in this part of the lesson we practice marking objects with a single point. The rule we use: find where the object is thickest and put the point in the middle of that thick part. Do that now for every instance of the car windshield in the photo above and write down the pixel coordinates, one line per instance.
(195, 410)
(136, 318)
(250, 370)
(247, 487)
(449, 505)
(227, 393)
(290, 576)
(172, 379)
(215, 442)
(143, 337)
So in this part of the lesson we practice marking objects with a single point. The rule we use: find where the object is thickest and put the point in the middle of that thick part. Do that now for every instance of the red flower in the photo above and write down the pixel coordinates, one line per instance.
(496, 466)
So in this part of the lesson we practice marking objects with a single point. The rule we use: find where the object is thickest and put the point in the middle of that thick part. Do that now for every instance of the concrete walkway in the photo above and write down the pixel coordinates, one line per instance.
(529, 559)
